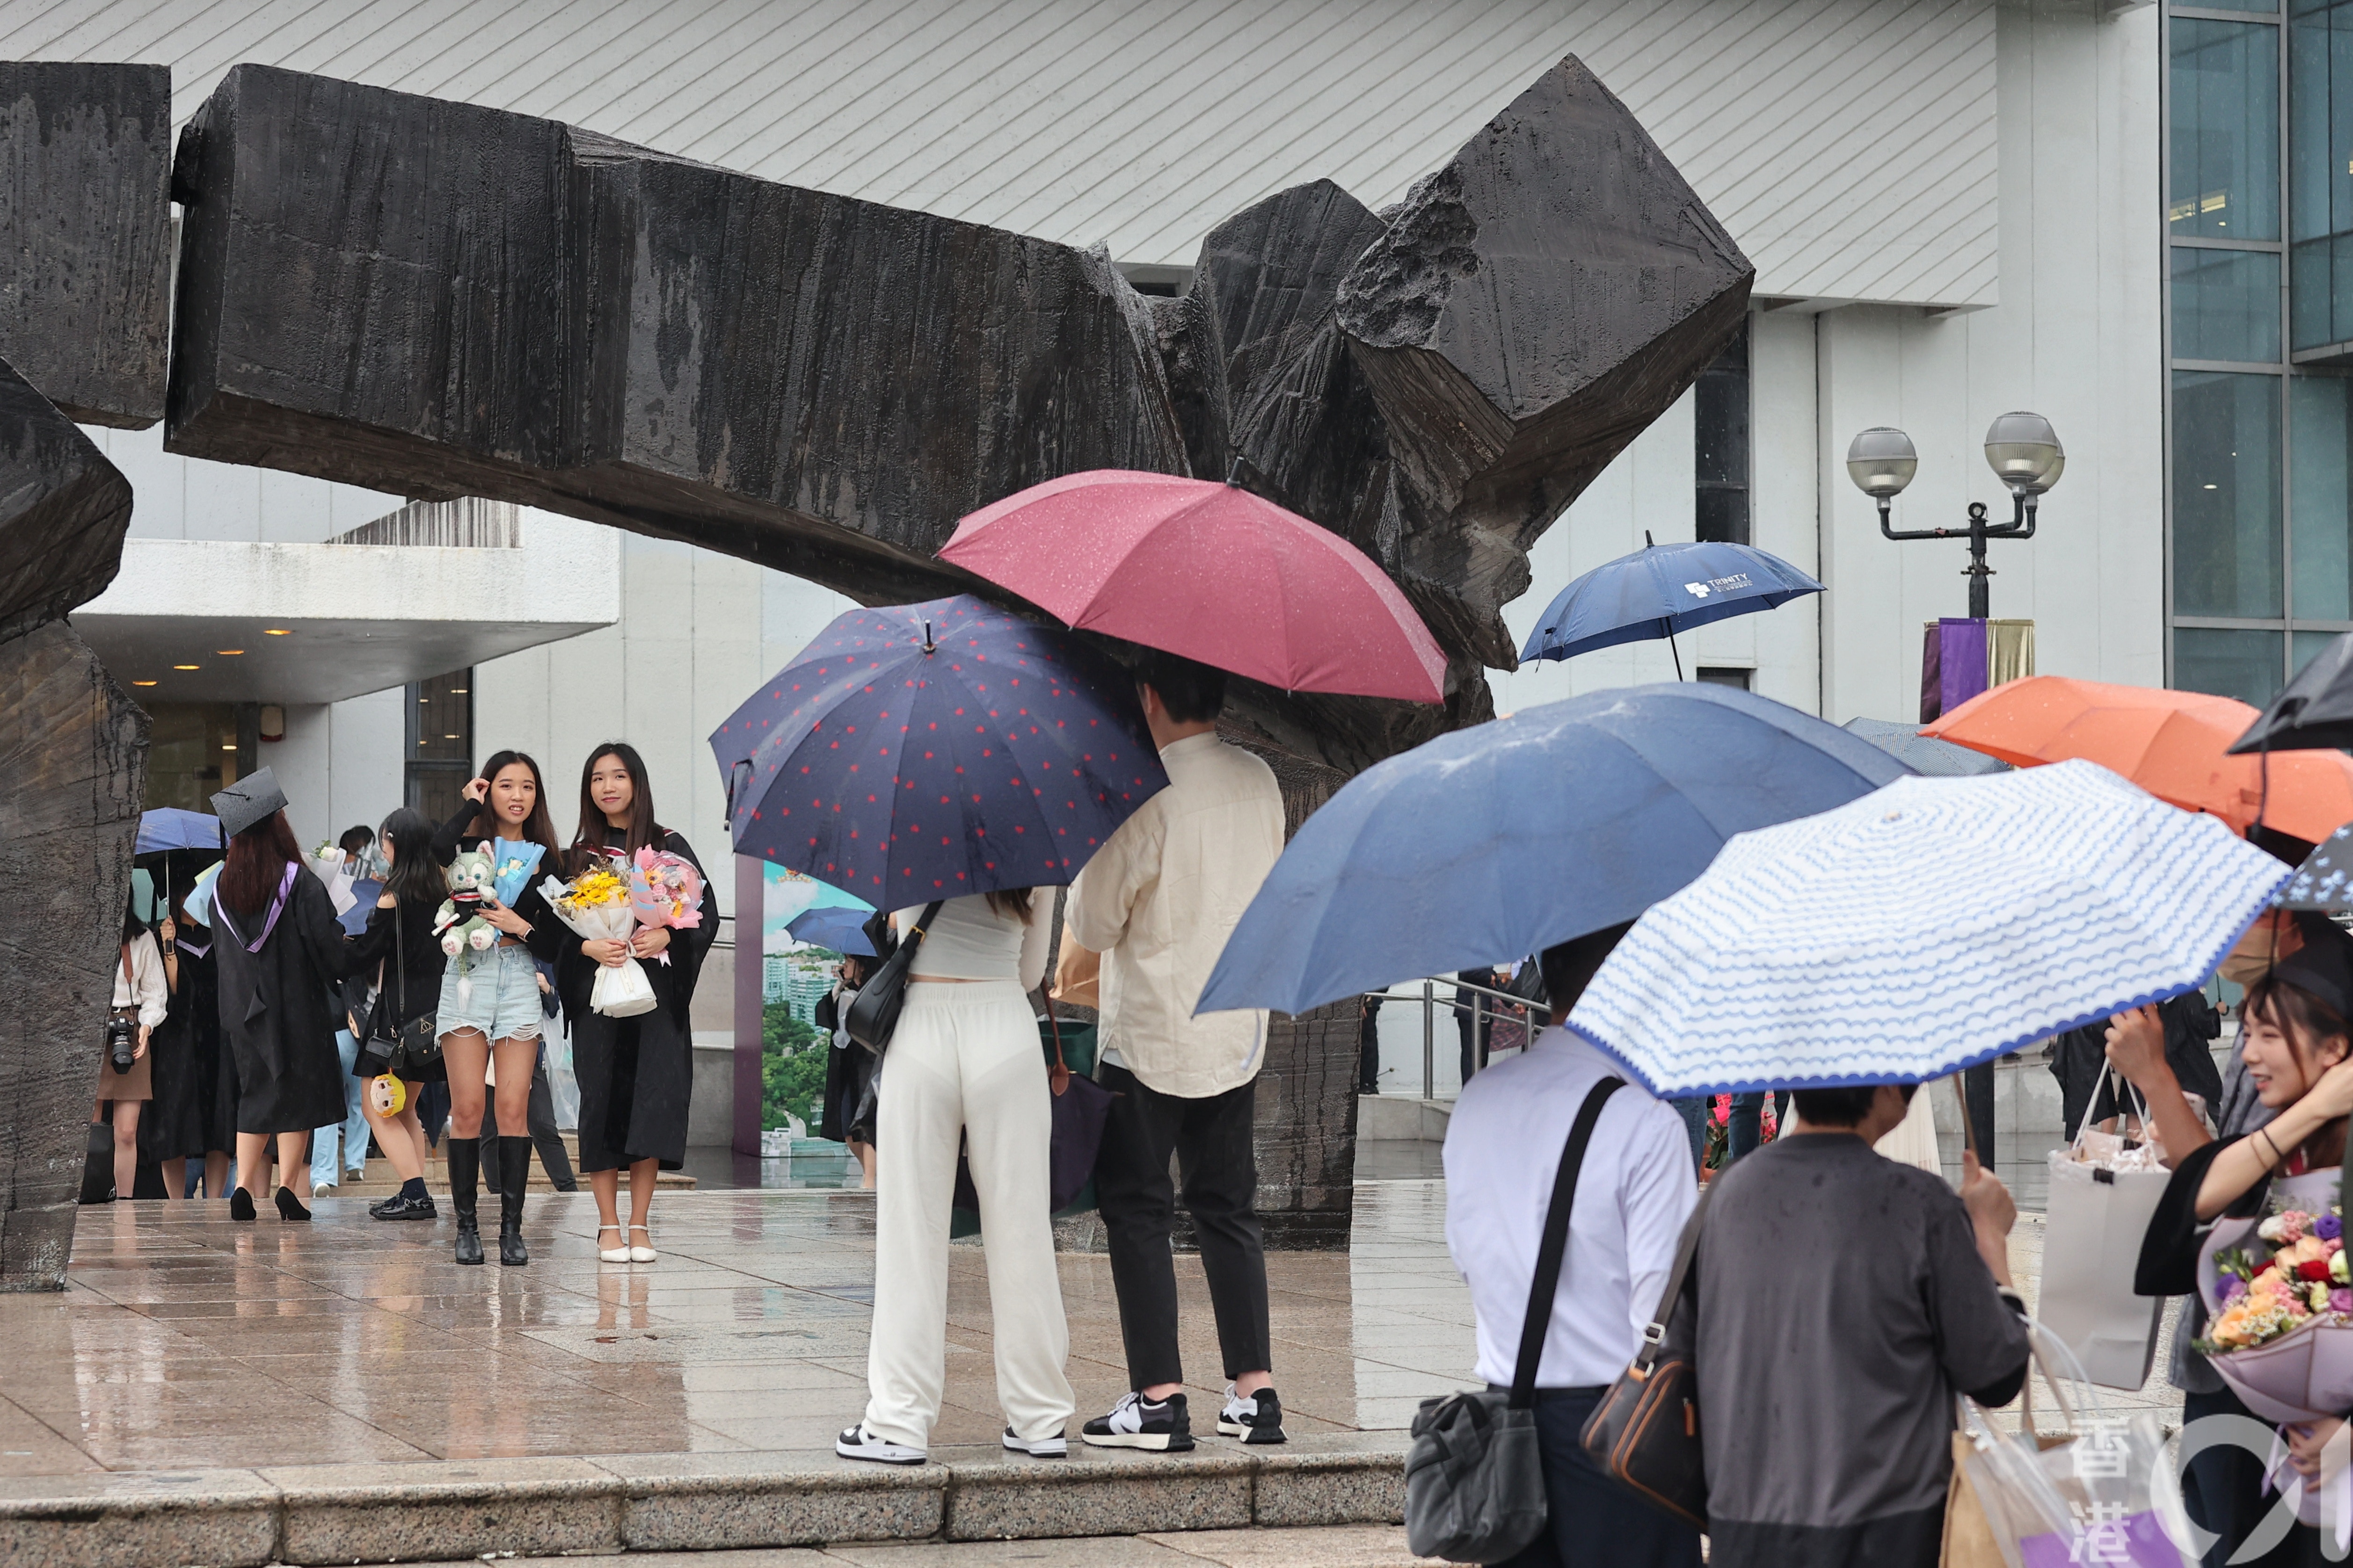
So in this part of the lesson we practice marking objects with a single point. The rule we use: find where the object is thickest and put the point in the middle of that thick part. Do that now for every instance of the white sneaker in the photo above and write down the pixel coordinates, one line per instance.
(1054, 1447)
(858, 1443)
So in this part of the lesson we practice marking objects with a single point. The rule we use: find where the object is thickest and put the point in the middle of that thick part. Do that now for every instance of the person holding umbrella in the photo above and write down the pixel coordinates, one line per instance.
(950, 760)
(279, 949)
(1159, 902)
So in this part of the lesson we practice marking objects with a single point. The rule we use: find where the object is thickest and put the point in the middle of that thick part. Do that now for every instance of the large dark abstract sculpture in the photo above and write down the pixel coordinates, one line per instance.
(86, 236)
(74, 750)
(517, 308)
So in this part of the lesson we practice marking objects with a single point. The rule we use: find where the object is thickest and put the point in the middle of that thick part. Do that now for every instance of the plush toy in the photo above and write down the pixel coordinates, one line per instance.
(459, 924)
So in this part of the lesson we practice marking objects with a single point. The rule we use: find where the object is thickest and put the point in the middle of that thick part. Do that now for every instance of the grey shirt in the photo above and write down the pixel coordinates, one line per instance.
(1842, 1304)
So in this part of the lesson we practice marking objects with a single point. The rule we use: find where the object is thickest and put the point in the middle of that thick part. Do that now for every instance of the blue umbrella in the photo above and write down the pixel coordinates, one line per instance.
(1500, 840)
(1936, 925)
(1660, 590)
(1925, 753)
(843, 930)
(926, 751)
(169, 828)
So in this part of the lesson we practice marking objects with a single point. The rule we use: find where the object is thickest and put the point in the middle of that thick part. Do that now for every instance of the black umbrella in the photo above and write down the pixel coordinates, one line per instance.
(2313, 713)
(2325, 881)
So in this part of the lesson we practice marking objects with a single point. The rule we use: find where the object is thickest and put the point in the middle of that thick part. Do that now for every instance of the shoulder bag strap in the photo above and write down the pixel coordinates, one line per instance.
(1555, 1246)
(1686, 1253)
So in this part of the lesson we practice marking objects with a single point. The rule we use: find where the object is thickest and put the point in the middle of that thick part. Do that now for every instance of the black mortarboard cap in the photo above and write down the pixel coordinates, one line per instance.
(251, 799)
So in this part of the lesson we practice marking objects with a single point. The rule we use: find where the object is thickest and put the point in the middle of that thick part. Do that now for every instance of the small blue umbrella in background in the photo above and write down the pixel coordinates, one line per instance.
(1660, 590)
(1498, 841)
(1925, 753)
(843, 930)
(1929, 927)
(917, 751)
(169, 828)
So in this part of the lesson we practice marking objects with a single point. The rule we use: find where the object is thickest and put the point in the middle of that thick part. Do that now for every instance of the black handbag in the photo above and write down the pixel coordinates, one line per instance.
(402, 1048)
(1645, 1431)
(875, 1015)
(1474, 1479)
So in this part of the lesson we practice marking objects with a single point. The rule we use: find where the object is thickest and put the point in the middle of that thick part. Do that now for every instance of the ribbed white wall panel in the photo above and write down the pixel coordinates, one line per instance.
(1848, 144)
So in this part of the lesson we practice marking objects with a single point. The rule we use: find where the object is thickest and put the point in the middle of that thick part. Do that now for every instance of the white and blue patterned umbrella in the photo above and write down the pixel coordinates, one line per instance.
(1929, 926)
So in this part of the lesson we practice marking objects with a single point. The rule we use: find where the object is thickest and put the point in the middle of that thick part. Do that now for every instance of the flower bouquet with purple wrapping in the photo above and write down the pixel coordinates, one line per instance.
(2281, 1302)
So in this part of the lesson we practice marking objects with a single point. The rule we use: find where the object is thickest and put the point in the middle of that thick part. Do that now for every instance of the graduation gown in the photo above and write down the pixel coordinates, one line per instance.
(276, 1014)
(184, 1121)
(636, 1075)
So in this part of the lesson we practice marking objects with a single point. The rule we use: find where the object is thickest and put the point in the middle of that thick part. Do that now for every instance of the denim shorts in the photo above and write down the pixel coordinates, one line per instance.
(496, 993)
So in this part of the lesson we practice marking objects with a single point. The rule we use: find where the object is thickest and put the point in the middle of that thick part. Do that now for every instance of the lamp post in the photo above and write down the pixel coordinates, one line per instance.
(2024, 453)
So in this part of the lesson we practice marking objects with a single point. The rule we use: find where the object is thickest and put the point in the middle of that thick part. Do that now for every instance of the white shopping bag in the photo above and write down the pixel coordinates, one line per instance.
(2090, 1247)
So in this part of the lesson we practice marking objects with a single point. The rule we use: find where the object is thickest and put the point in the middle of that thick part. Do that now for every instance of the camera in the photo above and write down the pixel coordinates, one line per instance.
(122, 1042)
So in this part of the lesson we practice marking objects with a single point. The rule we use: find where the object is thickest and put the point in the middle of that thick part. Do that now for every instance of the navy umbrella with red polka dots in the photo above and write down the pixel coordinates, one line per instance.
(918, 752)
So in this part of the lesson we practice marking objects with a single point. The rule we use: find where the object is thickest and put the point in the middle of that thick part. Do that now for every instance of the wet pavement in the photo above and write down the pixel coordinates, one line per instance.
(185, 1339)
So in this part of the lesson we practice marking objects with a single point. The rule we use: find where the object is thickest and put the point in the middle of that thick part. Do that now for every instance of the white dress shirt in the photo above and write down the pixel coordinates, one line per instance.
(145, 989)
(1638, 1186)
(1158, 902)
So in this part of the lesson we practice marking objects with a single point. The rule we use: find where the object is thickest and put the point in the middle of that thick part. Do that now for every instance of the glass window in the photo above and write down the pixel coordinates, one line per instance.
(2225, 130)
(440, 742)
(2309, 646)
(192, 754)
(2226, 493)
(2226, 305)
(2320, 171)
(2320, 429)
(1720, 447)
(2228, 663)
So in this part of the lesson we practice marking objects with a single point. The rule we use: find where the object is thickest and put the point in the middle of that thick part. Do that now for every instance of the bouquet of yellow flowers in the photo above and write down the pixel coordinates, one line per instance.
(597, 905)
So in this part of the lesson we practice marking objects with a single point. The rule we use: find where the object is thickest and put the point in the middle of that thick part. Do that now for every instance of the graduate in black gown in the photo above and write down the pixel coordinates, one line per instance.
(277, 947)
(184, 1121)
(636, 1074)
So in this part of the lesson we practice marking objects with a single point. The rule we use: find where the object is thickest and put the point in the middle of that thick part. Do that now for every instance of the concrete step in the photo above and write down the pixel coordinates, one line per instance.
(684, 1502)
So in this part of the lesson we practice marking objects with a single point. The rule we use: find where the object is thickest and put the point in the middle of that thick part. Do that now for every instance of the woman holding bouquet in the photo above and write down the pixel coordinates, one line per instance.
(2295, 1042)
(399, 944)
(278, 948)
(637, 1073)
(490, 1001)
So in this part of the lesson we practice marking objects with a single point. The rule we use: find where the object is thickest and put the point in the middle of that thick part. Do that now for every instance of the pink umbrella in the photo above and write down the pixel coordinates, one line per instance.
(1209, 572)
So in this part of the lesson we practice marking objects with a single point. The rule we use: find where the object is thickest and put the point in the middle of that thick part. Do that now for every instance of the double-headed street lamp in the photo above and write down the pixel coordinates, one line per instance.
(2025, 455)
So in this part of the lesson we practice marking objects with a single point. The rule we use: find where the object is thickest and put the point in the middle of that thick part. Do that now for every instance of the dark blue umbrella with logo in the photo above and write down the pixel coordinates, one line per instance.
(1660, 590)
(919, 752)
(1500, 840)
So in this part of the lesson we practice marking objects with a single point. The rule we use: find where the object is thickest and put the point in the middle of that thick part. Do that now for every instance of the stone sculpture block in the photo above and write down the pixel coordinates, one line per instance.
(1531, 309)
(86, 234)
(74, 748)
(64, 509)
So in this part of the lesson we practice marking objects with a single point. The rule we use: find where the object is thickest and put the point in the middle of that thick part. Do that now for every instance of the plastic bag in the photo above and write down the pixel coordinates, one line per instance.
(2097, 1496)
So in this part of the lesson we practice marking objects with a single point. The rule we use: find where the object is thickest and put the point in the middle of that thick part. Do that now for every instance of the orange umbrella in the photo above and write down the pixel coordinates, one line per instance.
(2171, 743)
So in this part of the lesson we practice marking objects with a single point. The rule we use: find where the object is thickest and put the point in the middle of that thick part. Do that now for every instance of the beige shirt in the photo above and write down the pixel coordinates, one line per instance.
(1158, 902)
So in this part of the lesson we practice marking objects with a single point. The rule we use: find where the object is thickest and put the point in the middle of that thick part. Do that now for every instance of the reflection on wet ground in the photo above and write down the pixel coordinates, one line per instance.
(185, 1339)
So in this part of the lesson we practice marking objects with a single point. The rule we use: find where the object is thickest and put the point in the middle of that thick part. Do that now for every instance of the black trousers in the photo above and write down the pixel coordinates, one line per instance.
(553, 1155)
(1592, 1521)
(1211, 1140)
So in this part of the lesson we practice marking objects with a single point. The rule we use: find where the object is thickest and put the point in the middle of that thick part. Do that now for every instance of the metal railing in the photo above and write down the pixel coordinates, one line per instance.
(1483, 999)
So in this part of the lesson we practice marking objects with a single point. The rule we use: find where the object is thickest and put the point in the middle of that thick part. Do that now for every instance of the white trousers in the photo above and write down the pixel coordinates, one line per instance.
(964, 1065)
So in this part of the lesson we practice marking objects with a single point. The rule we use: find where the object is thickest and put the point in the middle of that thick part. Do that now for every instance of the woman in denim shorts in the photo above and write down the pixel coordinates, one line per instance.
(489, 1000)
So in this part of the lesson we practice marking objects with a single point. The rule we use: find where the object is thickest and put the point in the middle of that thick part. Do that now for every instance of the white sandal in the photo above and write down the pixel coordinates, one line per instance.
(611, 1254)
(642, 1254)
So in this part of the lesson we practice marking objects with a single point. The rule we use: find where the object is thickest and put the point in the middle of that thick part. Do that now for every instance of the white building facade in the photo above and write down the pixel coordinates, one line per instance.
(1956, 209)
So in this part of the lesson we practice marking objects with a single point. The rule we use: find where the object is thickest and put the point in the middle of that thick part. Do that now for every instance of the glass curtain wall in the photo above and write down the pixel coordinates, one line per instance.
(2259, 209)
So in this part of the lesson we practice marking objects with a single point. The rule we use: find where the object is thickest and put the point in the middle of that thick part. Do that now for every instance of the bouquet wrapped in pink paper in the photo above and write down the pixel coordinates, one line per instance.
(665, 891)
(2281, 1304)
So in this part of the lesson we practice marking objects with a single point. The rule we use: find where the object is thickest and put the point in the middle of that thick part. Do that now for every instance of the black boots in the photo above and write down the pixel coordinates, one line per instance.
(465, 1177)
(514, 1170)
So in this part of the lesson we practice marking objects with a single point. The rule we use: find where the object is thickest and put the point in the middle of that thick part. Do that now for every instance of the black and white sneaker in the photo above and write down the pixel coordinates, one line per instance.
(1054, 1447)
(1136, 1422)
(1258, 1419)
(858, 1443)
